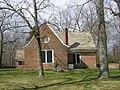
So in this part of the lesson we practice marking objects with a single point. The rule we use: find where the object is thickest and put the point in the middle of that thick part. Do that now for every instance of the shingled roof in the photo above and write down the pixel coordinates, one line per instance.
(20, 55)
(79, 41)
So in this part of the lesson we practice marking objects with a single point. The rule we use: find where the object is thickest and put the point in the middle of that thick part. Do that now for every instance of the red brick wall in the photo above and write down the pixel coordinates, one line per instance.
(31, 56)
(88, 59)
(60, 51)
(70, 58)
(19, 66)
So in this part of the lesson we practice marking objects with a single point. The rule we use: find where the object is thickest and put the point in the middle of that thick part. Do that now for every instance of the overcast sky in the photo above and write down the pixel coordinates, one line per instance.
(62, 3)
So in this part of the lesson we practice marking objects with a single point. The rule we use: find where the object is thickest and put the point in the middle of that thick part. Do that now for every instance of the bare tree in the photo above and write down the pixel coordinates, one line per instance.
(116, 52)
(102, 40)
(13, 40)
(31, 8)
(4, 25)
(72, 17)
(9, 37)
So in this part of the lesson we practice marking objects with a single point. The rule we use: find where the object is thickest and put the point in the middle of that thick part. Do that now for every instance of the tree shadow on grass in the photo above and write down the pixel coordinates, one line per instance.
(68, 81)
(117, 77)
(4, 69)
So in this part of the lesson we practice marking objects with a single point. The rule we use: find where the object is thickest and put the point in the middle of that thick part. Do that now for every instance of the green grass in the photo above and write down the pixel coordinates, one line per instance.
(81, 79)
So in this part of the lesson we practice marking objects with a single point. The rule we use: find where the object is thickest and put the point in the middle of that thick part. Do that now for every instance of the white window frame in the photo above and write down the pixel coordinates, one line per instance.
(46, 56)
(44, 38)
(22, 63)
(76, 58)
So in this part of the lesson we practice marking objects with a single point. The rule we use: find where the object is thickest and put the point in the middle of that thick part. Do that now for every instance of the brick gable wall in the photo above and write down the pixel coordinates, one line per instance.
(31, 56)
(60, 51)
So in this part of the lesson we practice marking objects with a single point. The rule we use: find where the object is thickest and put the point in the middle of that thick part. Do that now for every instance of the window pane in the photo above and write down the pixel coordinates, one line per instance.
(78, 58)
(46, 39)
(21, 62)
(49, 56)
(43, 56)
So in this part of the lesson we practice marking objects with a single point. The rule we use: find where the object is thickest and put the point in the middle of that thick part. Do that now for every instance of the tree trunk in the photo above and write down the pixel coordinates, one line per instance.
(41, 71)
(37, 35)
(1, 48)
(102, 41)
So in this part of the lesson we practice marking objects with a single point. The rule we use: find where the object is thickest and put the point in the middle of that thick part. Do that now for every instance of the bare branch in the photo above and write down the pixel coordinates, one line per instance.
(40, 4)
(19, 12)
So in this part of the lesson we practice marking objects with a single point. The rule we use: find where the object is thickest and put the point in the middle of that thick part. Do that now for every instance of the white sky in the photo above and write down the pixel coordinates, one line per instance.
(62, 3)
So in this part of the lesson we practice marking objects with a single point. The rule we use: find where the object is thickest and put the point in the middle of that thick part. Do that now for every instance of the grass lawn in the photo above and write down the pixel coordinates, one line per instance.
(81, 79)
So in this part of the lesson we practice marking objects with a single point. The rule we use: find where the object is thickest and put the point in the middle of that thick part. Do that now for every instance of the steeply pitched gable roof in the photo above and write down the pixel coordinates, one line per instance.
(52, 31)
(79, 41)
(57, 36)
(76, 40)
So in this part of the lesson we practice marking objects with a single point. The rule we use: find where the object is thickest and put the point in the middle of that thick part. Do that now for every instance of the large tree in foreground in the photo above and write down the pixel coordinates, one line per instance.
(102, 40)
(28, 11)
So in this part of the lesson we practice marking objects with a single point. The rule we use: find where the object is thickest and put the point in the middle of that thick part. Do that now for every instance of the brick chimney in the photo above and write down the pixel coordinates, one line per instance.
(66, 35)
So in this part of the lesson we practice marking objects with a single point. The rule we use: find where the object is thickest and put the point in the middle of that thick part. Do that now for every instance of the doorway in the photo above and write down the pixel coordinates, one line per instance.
(77, 59)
